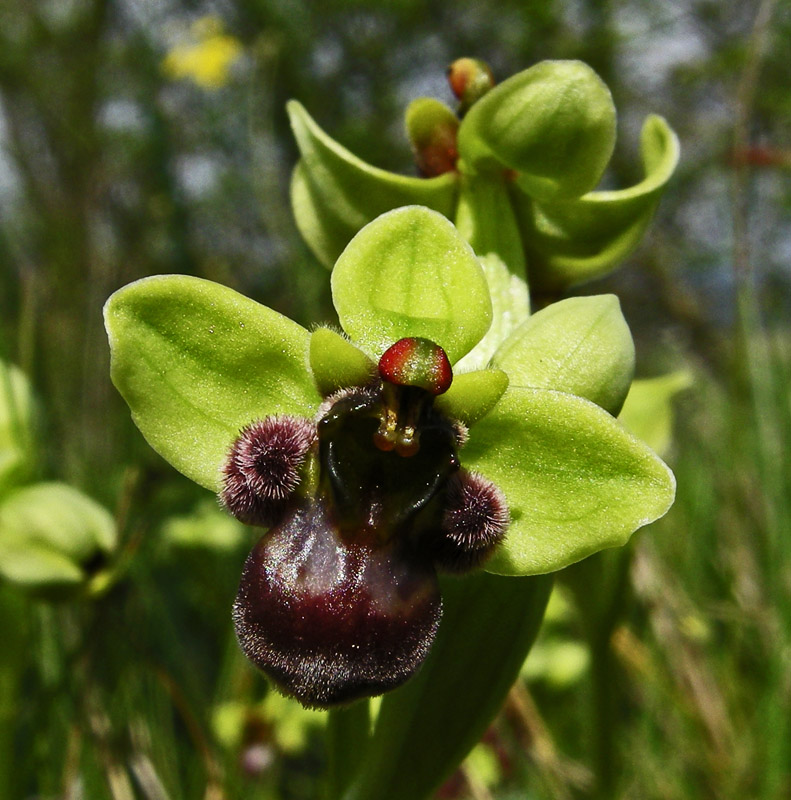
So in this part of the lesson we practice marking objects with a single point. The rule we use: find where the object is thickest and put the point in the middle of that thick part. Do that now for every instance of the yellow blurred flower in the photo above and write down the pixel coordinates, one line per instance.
(207, 60)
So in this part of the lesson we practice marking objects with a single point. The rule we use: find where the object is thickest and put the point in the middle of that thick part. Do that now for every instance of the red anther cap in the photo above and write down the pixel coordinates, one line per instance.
(416, 362)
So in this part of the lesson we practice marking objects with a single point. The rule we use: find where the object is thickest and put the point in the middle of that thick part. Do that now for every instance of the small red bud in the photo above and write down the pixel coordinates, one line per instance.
(432, 129)
(416, 362)
(470, 79)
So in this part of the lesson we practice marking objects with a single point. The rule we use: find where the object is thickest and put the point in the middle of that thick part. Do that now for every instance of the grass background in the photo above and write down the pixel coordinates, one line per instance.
(116, 165)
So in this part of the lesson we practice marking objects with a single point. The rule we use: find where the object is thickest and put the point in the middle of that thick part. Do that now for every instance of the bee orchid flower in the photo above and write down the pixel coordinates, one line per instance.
(372, 463)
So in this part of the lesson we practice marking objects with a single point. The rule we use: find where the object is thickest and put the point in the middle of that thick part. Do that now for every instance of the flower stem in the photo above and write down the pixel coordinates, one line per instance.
(348, 731)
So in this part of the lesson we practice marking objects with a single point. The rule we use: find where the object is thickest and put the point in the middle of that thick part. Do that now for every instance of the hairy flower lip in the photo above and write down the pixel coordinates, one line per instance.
(329, 622)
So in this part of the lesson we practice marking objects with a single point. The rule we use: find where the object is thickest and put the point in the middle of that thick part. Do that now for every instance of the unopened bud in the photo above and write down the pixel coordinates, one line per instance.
(431, 127)
(470, 79)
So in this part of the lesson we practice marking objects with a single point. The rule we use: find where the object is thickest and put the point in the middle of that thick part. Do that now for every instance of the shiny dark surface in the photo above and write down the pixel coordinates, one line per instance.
(331, 619)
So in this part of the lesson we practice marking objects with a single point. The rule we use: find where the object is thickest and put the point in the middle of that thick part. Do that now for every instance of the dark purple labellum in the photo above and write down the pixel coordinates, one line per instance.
(332, 619)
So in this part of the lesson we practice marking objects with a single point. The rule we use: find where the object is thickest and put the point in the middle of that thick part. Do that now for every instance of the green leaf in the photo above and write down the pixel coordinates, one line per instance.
(510, 308)
(569, 242)
(336, 363)
(334, 193)
(472, 395)
(49, 532)
(197, 361)
(575, 480)
(409, 273)
(16, 440)
(580, 346)
(648, 410)
(553, 123)
(425, 728)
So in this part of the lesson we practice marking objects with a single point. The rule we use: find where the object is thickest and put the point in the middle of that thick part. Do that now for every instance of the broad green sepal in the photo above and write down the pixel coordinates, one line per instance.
(579, 346)
(425, 728)
(410, 274)
(336, 363)
(334, 193)
(575, 480)
(49, 534)
(472, 395)
(553, 123)
(648, 410)
(570, 242)
(196, 362)
(16, 422)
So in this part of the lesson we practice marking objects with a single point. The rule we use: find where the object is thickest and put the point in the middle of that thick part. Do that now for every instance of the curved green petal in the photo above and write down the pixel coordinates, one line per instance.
(581, 346)
(553, 123)
(510, 308)
(472, 395)
(409, 273)
(575, 480)
(648, 410)
(49, 532)
(569, 242)
(334, 193)
(336, 363)
(197, 361)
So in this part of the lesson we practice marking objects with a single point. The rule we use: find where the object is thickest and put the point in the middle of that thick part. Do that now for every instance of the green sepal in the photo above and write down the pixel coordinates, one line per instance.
(569, 242)
(581, 346)
(409, 274)
(575, 480)
(49, 534)
(553, 123)
(425, 728)
(196, 362)
(472, 395)
(648, 410)
(336, 363)
(334, 193)
(16, 422)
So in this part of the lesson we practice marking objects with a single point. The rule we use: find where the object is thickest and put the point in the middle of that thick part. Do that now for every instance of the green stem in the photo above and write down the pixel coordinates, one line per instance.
(348, 731)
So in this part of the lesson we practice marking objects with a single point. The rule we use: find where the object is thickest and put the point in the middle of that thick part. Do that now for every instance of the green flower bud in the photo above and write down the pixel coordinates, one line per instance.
(470, 79)
(432, 127)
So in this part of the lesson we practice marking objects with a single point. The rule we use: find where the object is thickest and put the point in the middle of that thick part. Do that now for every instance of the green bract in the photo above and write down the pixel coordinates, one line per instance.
(196, 362)
(527, 155)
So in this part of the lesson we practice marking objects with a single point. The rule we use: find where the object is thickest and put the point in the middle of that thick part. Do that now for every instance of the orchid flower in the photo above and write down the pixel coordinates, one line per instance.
(376, 462)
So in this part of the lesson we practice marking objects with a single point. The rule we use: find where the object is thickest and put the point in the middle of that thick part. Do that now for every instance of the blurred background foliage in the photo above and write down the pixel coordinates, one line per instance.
(149, 136)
